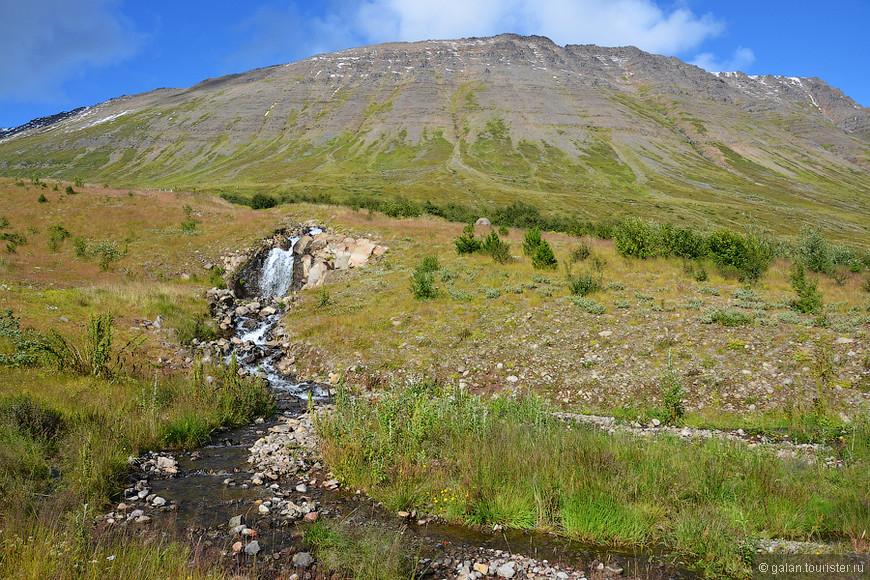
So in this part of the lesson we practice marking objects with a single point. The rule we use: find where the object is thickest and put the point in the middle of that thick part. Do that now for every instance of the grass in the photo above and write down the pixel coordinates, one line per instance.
(360, 553)
(81, 389)
(507, 461)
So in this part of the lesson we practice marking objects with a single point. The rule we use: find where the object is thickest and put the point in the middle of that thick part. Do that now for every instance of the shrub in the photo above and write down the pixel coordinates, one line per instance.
(671, 391)
(497, 248)
(69, 190)
(813, 250)
(42, 198)
(215, 277)
(588, 305)
(683, 242)
(531, 241)
(79, 181)
(429, 264)
(467, 243)
(80, 247)
(423, 283)
(502, 231)
(731, 317)
(263, 201)
(56, 235)
(544, 259)
(809, 299)
(580, 252)
(584, 284)
(636, 237)
(744, 254)
(107, 251)
(189, 223)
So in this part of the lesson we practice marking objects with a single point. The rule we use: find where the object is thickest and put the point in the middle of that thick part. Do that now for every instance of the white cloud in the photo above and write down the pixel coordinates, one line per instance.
(641, 23)
(742, 58)
(46, 42)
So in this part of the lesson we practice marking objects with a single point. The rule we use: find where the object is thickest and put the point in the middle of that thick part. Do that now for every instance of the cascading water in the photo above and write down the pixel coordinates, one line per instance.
(254, 352)
(277, 276)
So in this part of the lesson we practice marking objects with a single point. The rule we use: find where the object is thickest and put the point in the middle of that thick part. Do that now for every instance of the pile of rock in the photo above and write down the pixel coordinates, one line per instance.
(290, 447)
(138, 498)
(319, 254)
(490, 563)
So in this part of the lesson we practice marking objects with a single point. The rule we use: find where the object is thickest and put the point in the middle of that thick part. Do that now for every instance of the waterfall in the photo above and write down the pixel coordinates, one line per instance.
(277, 275)
(277, 272)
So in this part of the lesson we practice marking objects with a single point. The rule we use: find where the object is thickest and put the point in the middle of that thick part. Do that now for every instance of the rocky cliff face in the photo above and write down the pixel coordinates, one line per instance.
(578, 128)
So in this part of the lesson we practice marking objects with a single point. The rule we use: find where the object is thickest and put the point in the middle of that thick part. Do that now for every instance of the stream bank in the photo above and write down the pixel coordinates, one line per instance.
(245, 498)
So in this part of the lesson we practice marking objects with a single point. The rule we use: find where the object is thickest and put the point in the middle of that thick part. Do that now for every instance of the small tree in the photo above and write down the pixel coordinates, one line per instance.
(495, 247)
(70, 190)
(42, 198)
(531, 241)
(467, 243)
(544, 259)
(809, 299)
(636, 237)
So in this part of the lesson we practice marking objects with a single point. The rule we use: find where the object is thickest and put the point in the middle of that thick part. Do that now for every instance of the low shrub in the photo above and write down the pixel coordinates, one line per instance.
(584, 284)
(544, 259)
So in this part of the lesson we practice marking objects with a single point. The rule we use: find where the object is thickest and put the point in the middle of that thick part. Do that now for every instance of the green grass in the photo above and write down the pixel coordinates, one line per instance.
(363, 553)
(507, 461)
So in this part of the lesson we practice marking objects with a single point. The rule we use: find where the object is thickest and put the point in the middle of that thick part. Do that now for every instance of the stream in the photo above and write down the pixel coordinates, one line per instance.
(208, 487)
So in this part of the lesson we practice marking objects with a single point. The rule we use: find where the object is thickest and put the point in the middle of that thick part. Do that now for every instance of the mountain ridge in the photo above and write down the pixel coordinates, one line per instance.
(577, 128)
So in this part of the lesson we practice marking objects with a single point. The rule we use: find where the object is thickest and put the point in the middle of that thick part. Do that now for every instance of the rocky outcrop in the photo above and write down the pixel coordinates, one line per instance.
(317, 256)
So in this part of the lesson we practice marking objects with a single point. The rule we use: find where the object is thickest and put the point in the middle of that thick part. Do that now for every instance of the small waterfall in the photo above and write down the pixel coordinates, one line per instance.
(277, 275)
(277, 272)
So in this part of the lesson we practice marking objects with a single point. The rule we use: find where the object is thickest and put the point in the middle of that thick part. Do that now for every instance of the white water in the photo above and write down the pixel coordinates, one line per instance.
(275, 280)
(278, 270)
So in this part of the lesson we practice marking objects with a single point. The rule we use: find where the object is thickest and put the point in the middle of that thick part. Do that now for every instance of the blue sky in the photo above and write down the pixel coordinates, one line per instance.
(56, 55)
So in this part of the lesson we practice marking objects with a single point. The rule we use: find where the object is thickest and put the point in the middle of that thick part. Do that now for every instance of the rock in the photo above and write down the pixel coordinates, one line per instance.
(235, 521)
(252, 548)
(360, 254)
(513, 379)
(158, 322)
(483, 222)
(656, 422)
(238, 529)
(158, 501)
(136, 514)
(303, 560)
(166, 462)
(506, 570)
(143, 520)
(237, 547)
(316, 274)
(482, 568)
(614, 570)
(605, 333)
(310, 517)
(263, 509)
(403, 514)
(845, 340)
(302, 488)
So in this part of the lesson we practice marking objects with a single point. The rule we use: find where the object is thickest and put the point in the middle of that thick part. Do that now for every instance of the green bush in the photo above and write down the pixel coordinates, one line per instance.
(637, 237)
(584, 284)
(730, 317)
(531, 241)
(429, 264)
(544, 259)
(423, 284)
(263, 201)
(588, 305)
(743, 254)
(467, 243)
(70, 191)
(671, 392)
(809, 298)
(813, 250)
(497, 248)
(42, 198)
(56, 235)
(683, 242)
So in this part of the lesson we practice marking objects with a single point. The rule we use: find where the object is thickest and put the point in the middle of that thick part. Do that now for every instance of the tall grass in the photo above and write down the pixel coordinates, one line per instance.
(508, 461)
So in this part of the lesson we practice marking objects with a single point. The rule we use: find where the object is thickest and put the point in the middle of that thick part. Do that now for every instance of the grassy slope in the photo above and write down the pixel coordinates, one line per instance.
(103, 420)
(662, 161)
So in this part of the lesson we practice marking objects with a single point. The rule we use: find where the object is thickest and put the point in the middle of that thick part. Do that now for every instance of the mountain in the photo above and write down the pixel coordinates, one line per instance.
(600, 132)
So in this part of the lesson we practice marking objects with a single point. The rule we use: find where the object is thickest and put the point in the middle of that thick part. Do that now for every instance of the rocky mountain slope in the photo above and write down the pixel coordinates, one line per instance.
(596, 131)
